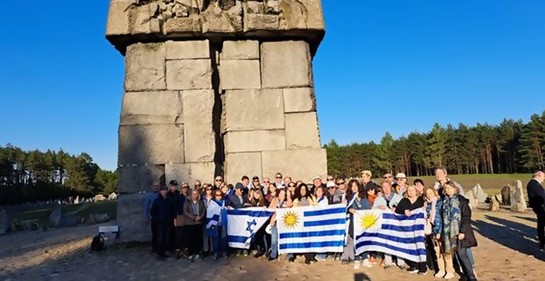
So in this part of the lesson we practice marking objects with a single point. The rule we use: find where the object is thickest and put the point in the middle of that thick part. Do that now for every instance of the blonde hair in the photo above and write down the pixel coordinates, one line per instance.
(406, 194)
(432, 189)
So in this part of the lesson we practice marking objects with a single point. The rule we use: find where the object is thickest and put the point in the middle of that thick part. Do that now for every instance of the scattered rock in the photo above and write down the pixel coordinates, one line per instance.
(112, 196)
(518, 202)
(506, 195)
(473, 203)
(55, 217)
(479, 193)
(99, 197)
(494, 205)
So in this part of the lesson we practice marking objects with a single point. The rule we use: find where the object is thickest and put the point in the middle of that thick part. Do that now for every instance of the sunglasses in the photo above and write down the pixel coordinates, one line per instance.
(278, 177)
(329, 179)
(266, 182)
(218, 180)
(218, 195)
(339, 183)
(197, 185)
(291, 185)
(332, 187)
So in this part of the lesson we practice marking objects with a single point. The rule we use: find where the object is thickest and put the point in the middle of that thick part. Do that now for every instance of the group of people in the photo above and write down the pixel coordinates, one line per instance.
(178, 217)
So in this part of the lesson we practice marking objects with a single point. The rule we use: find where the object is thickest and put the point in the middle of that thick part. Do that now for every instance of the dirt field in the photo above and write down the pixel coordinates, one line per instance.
(507, 251)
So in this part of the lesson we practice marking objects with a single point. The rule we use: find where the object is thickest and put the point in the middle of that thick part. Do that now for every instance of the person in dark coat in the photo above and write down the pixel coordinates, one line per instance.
(239, 199)
(536, 198)
(163, 213)
(453, 227)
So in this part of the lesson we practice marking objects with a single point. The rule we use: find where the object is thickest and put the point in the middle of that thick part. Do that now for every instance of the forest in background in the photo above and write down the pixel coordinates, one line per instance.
(512, 146)
(30, 176)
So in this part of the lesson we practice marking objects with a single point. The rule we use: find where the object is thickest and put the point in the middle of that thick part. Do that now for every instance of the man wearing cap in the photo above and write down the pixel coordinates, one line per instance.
(164, 215)
(148, 202)
(317, 181)
(239, 199)
(366, 181)
(177, 201)
(333, 196)
(401, 187)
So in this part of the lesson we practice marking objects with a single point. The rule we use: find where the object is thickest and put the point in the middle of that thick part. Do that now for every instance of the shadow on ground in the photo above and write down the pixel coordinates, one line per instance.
(514, 235)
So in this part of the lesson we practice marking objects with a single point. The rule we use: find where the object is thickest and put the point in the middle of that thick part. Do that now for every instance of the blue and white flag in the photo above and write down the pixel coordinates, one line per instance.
(316, 229)
(213, 213)
(390, 233)
(242, 224)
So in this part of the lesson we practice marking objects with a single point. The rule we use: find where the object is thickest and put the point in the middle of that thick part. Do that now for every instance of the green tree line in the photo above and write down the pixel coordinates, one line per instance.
(29, 176)
(509, 147)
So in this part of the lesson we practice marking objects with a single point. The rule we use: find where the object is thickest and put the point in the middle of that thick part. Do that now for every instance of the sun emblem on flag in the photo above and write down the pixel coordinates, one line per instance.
(369, 221)
(290, 219)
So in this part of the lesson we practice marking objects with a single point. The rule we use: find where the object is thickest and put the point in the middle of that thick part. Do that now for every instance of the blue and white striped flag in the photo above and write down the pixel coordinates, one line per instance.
(213, 213)
(242, 224)
(319, 229)
(390, 233)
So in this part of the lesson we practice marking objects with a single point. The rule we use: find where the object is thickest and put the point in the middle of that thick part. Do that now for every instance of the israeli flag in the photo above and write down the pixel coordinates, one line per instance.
(390, 233)
(243, 224)
(213, 213)
(315, 229)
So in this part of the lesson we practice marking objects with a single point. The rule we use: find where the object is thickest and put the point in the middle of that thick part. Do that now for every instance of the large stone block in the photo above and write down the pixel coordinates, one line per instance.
(190, 172)
(301, 14)
(275, 56)
(240, 50)
(301, 164)
(133, 225)
(249, 141)
(152, 144)
(216, 20)
(253, 22)
(145, 67)
(302, 130)
(240, 74)
(160, 107)
(202, 171)
(239, 164)
(254, 110)
(179, 50)
(299, 100)
(139, 178)
(179, 172)
(118, 17)
(142, 19)
(200, 142)
(189, 25)
(189, 74)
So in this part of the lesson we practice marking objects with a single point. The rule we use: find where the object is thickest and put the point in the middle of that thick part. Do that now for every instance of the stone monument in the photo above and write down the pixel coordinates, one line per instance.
(214, 87)
(518, 201)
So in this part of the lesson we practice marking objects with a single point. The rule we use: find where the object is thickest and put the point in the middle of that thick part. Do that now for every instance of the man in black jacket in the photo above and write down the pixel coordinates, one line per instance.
(536, 198)
(163, 214)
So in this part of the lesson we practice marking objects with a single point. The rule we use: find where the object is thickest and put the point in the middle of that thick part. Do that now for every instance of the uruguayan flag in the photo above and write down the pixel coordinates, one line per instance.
(213, 213)
(318, 229)
(390, 233)
(242, 224)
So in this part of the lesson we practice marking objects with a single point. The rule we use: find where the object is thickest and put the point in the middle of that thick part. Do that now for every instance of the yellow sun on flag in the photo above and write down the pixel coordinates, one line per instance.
(369, 221)
(290, 219)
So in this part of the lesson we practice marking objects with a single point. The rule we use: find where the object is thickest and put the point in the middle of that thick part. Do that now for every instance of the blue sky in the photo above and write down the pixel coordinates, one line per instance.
(396, 66)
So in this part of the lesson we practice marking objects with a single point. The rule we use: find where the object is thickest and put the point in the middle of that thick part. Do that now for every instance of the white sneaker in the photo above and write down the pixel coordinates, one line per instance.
(440, 274)
(449, 275)
(367, 263)
(356, 265)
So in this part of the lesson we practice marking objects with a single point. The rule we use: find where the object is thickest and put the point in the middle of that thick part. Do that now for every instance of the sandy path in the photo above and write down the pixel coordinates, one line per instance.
(506, 252)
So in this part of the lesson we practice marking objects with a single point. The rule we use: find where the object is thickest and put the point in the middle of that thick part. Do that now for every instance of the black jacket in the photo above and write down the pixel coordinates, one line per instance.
(465, 224)
(234, 201)
(536, 196)
(163, 210)
(405, 204)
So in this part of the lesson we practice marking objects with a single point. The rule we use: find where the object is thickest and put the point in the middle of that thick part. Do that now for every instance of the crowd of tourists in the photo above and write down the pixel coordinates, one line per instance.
(178, 218)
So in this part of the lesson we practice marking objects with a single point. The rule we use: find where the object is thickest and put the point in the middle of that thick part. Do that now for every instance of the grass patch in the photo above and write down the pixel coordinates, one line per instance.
(81, 210)
(491, 183)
